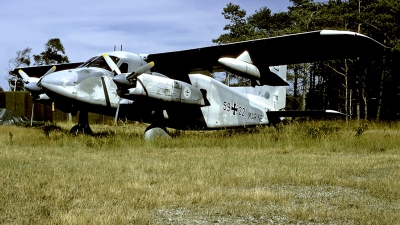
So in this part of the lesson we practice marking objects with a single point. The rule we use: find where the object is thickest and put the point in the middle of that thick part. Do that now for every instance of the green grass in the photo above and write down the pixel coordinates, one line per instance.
(309, 172)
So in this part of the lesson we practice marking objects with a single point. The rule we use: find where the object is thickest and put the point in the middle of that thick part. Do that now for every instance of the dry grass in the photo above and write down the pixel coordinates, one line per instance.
(312, 172)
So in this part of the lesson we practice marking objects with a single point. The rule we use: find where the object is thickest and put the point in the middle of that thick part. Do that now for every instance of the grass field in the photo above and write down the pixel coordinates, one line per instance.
(309, 172)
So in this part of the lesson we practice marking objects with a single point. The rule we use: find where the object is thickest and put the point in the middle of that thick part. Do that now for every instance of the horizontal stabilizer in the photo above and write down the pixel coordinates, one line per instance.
(304, 113)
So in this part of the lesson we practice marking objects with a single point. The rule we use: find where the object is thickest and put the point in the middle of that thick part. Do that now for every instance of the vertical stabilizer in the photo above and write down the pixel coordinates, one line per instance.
(273, 96)
(280, 71)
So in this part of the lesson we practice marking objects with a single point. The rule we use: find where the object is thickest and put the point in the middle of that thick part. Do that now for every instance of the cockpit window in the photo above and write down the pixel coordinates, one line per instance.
(124, 67)
(99, 62)
(87, 62)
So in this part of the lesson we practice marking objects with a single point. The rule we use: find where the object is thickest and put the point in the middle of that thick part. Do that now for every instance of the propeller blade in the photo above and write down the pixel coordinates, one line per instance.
(25, 77)
(140, 71)
(51, 70)
(33, 106)
(117, 112)
(111, 64)
(121, 101)
(32, 87)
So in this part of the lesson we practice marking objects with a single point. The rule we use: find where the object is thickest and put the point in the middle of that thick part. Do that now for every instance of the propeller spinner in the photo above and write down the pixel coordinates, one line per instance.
(127, 79)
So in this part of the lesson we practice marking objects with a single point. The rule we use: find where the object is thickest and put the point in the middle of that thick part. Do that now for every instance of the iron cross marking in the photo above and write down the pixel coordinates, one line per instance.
(234, 109)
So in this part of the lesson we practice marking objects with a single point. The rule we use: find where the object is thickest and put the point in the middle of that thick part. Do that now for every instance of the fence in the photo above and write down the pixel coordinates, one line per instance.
(20, 102)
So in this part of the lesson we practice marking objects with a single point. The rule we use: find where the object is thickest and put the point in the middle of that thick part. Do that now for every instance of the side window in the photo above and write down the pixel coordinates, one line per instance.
(123, 68)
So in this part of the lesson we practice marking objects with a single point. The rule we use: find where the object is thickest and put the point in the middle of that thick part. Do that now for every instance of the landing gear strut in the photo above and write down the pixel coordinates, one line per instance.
(83, 124)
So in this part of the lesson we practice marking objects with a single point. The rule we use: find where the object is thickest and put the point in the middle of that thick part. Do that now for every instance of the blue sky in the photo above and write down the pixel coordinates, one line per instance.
(87, 28)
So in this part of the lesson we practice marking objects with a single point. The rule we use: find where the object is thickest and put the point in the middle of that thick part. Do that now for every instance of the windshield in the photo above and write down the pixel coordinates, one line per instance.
(99, 62)
(87, 62)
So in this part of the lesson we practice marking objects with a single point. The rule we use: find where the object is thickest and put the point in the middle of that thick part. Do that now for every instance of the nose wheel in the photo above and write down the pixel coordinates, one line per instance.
(83, 124)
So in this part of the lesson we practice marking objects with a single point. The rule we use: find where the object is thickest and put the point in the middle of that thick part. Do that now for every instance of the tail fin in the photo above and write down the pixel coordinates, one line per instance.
(276, 76)
(279, 70)
(274, 96)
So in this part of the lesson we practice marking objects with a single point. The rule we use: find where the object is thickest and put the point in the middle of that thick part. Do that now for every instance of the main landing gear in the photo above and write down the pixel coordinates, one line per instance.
(156, 129)
(153, 132)
(83, 124)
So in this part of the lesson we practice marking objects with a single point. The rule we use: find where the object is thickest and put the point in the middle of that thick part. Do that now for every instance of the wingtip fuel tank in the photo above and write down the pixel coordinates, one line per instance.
(241, 65)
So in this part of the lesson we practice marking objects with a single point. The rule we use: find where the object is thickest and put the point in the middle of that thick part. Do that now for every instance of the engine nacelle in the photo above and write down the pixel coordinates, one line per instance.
(168, 90)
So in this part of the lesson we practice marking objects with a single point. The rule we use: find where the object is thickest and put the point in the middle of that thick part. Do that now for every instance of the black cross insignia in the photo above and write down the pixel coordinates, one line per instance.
(234, 109)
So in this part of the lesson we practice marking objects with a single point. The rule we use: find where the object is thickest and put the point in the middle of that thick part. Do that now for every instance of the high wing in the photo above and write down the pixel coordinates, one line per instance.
(38, 71)
(266, 52)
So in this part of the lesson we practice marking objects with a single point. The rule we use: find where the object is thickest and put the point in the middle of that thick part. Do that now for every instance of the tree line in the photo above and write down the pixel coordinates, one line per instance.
(363, 88)
(54, 53)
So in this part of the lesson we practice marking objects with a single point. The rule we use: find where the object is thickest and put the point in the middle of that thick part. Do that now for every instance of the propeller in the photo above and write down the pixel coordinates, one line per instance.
(117, 112)
(122, 101)
(33, 85)
(127, 80)
(33, 106)
(124, 79)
